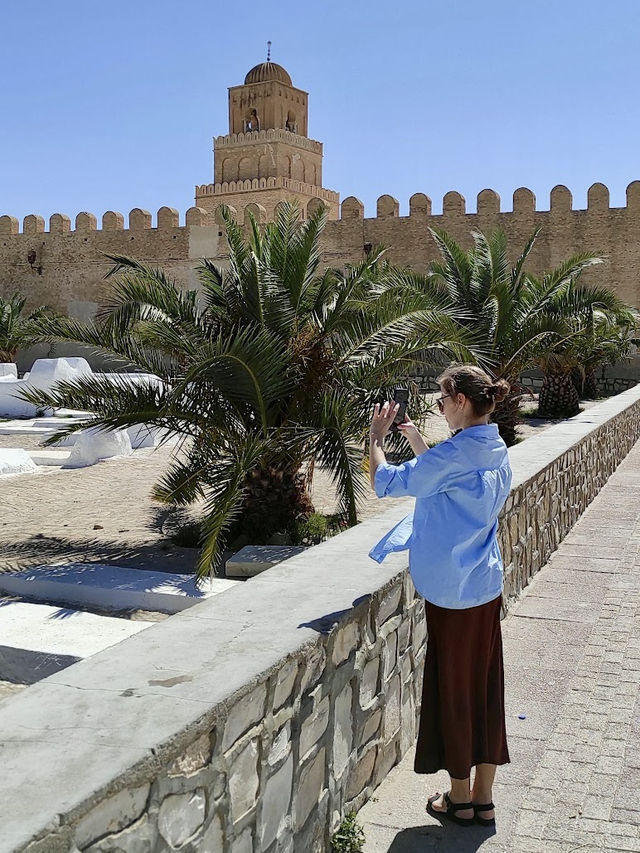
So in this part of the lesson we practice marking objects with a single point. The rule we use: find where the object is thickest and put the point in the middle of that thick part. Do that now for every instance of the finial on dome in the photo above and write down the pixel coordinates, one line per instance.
(268, 51)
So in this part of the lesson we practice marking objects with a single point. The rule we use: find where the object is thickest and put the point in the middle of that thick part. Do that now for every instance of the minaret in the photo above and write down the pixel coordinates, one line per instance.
(267, 156)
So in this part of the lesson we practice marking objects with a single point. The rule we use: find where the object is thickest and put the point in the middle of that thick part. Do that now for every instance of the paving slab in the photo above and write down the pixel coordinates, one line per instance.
(111, 587)
(572, 668)
(254, 559)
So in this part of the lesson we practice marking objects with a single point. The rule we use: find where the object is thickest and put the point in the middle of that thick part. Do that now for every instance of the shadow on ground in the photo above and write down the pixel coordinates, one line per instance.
(38, 550)
(449, 838)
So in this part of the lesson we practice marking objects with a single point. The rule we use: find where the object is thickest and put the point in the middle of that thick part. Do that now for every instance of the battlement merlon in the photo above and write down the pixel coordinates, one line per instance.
(453, 206)
(167, 219)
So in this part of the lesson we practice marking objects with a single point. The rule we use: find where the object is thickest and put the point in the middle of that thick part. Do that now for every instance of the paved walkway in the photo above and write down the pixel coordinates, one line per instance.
(572, 666)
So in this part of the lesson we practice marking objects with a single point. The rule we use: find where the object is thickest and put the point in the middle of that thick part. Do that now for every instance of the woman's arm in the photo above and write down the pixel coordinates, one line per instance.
(410, 432)
(380, 426)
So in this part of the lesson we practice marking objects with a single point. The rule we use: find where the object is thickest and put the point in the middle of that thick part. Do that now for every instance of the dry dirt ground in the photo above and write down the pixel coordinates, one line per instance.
(105, 513)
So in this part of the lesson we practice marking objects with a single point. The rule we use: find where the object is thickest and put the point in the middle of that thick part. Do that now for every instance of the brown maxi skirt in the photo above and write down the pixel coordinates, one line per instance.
(462, 720)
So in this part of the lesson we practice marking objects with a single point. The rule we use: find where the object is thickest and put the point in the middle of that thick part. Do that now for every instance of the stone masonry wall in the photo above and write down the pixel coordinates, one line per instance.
(65, 267)
(254, 721)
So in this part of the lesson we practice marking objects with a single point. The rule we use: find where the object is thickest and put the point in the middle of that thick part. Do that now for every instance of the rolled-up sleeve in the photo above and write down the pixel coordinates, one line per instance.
(425, 475)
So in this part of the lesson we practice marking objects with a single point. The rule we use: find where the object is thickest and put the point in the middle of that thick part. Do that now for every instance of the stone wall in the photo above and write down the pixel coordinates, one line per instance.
(65, 267)
(610, 379)
(253, 721)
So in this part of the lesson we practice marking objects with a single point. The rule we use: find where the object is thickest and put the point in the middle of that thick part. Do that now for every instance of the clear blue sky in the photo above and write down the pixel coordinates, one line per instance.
(114, 105)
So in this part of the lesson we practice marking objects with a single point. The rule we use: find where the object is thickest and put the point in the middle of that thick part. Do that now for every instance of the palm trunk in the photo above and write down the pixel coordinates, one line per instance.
(506, 416)
(590, 391)
(578, 379)
(558, 397)
(275, 500)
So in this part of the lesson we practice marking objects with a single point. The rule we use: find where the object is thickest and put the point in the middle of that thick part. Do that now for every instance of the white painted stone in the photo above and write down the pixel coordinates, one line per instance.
(39, 639)
(243, 781)
(142, 436)
(274, 804)
(180, 816)
(16, 461)
(343, 731)
(112, 587)
(47, 457)
(111, 815)
(93, 444)
(254, 559)
(8, 370)
(44, 374)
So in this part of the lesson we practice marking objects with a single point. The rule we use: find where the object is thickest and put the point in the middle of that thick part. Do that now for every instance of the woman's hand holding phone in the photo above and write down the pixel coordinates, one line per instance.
(410, 431)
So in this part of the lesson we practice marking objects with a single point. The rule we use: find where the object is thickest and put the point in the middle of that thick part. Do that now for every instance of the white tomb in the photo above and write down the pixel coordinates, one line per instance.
(111, 587)
(16, 461)
(8, 370)
(92, 445)
(37, 640)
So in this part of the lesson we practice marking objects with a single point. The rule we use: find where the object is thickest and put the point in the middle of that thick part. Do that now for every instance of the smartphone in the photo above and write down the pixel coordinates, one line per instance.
(401, 396)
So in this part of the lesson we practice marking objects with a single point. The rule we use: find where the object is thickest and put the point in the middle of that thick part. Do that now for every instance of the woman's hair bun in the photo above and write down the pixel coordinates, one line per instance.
(499, 390)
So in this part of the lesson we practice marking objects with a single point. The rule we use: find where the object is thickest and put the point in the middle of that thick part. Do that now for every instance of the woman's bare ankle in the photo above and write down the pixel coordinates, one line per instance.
(481, 797)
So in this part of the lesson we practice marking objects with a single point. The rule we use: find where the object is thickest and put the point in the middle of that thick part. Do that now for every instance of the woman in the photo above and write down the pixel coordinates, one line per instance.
(460, 487)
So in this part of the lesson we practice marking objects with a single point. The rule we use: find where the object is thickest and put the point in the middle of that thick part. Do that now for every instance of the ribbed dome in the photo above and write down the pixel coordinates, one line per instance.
(268, 71)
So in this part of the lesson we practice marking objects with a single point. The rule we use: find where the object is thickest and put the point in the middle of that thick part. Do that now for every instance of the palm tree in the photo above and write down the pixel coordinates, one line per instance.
(598, 328)
(511, 311)
(608, 342)
(267, 369)
(17, 329)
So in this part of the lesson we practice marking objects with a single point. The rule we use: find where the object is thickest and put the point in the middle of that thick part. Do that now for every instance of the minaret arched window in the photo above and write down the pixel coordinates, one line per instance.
(291, 123)
(251, 122)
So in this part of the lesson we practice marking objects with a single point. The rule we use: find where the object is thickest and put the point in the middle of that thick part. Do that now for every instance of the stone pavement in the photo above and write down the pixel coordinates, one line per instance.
(572, 667)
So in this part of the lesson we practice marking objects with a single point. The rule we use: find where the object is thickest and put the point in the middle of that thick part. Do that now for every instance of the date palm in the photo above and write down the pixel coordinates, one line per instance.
(267, 369)
(515, 315)
(608, 342)
(18, 329)
(600, 328)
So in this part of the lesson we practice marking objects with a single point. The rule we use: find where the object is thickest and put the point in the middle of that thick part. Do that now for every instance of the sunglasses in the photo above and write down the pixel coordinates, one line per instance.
(440, 402)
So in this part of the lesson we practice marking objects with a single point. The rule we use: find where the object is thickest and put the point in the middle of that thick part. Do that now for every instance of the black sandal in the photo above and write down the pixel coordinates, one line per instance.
(484, 821)
(452, 808)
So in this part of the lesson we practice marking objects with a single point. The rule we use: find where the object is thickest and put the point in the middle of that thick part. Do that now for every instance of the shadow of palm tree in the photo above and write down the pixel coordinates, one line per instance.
(159, 556)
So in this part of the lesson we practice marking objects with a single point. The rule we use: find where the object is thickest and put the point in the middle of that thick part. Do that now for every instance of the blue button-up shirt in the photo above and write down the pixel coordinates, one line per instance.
(460, 487)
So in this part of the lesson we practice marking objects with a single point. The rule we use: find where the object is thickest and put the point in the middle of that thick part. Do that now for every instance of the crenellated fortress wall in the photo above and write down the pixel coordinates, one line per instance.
(63, 265)
(612, 232)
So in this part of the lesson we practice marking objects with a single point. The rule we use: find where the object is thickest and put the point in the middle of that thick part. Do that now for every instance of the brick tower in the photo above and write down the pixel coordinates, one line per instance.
(267, 156)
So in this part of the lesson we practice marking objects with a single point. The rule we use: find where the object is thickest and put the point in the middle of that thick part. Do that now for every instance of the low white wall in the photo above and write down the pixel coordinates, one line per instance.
(254, 720)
